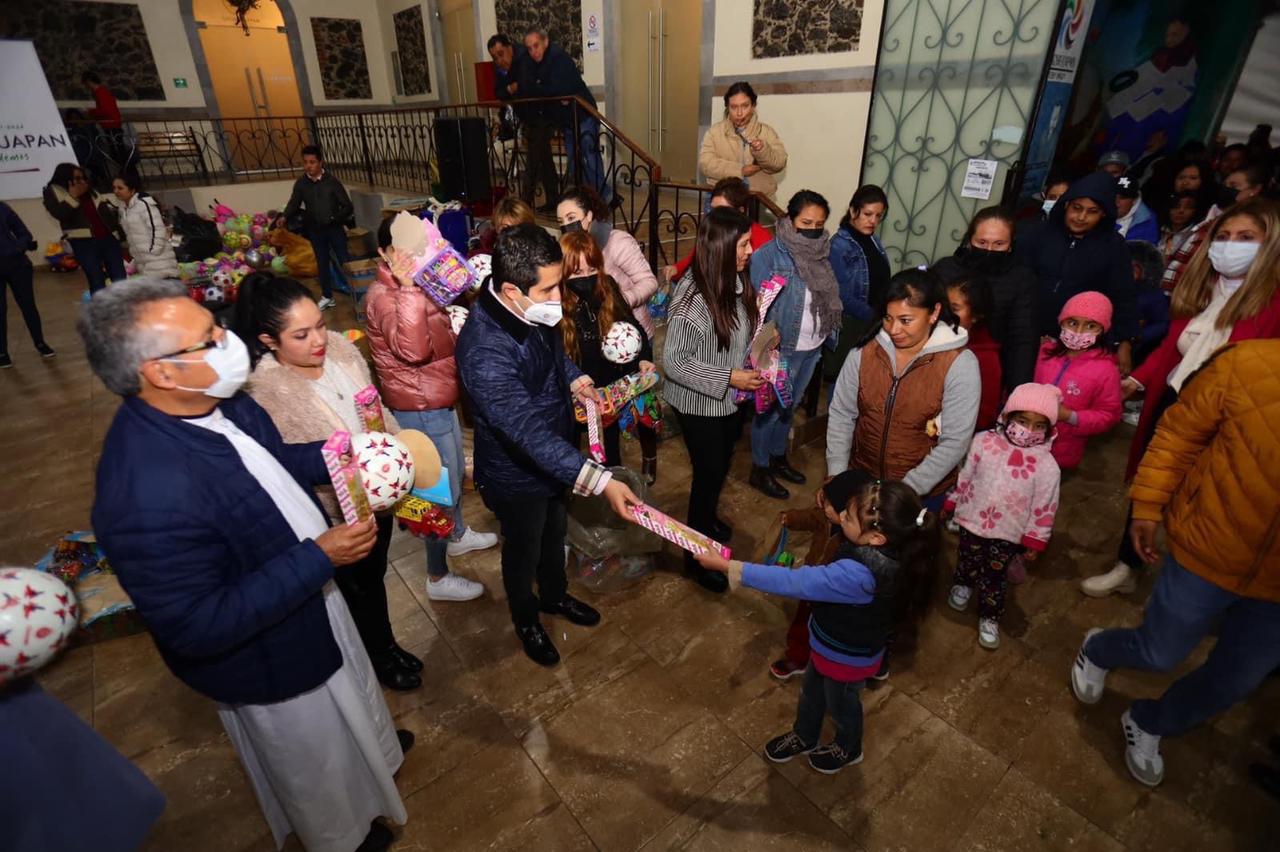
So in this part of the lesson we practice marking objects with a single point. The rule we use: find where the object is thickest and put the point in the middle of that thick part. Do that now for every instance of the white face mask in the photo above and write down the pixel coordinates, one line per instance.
(543, 313)
(1232, 259)
(1047, 206)
(231, 363)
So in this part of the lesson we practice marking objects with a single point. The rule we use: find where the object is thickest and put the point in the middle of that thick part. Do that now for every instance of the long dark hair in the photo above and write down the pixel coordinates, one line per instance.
(64, 172)
(866, 194)
(261, 307)
(920, 288)
(581, 249)
(976, 290)
(893, 508)
(715, 271)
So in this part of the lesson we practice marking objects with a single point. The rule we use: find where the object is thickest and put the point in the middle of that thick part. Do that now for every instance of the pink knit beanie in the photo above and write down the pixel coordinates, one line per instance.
(1040, 399)
(1090, 305)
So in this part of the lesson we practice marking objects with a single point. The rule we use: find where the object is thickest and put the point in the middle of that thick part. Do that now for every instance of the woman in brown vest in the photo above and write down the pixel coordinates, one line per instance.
(906, 401)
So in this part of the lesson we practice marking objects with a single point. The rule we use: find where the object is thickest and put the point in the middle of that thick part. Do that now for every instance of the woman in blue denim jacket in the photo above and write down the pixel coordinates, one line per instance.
(807, 314)
(861, 267)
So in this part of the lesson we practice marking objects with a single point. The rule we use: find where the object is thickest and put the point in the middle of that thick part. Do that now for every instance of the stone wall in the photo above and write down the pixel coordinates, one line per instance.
(73, 37)
(344, 67)
(411, 44)
(799, 27)
(562, 20)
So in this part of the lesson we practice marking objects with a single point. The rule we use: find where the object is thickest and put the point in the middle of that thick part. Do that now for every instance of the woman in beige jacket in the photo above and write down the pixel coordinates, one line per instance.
(306, 376)
(742, 146)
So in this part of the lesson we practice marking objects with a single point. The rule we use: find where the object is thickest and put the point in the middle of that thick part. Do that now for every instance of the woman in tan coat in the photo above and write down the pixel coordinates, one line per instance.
(306, 376)
(742, 146)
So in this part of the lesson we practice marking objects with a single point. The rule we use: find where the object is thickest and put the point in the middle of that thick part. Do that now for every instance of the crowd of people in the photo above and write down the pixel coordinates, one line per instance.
(962, 395)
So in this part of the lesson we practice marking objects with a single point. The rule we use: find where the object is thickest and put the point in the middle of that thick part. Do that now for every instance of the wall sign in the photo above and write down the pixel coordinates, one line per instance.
(32, 137)
(979, 177)
(179, 82)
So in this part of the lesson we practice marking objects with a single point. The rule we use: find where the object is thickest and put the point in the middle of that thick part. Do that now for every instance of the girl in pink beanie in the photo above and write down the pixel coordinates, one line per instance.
(1004, 502)
(1080, 364)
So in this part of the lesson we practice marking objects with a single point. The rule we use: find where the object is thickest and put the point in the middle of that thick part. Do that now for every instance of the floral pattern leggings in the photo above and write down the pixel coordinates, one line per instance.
(982, 565)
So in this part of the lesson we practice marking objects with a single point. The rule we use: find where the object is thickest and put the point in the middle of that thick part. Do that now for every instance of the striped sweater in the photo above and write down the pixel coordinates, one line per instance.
(697, 369)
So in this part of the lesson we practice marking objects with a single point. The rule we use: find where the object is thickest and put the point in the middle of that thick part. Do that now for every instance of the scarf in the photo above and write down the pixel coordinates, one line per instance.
(813, 265)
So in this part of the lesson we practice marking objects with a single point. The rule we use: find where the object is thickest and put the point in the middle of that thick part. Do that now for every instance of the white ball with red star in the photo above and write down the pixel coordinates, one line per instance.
(37, 614)
(483, 266)
(621, 343)
(386, 468)
(457, 318)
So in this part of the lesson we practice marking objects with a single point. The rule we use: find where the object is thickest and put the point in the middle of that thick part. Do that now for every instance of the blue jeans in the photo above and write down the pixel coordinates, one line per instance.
(588, 136)
(769, 430)
(1181, 611)
(95, 253)
(442, 427)
(842, 700)
(325, 239)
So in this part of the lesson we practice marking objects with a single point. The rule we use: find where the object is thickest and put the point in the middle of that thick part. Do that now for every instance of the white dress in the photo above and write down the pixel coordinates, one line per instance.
(321, 763)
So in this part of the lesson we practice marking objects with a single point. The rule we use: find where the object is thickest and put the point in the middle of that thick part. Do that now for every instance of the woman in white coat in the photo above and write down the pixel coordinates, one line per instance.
(144, 228)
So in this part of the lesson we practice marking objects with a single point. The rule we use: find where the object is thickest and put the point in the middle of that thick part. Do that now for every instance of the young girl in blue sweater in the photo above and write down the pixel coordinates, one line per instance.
(880, 583)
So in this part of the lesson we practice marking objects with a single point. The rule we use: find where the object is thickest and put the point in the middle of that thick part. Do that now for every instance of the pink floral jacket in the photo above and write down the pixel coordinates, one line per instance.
(1006, 492)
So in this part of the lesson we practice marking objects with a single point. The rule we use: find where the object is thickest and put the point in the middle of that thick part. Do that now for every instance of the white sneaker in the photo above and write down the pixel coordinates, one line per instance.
(472, 540)
(1118, 579)
(959, 597)
(952, 526)
(1142, 753)
(988, 633)
(325, 303)
(451, 587)
(1087, 679)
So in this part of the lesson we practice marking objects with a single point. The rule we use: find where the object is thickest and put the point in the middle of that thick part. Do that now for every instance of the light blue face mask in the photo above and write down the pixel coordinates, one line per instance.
(1047, 206)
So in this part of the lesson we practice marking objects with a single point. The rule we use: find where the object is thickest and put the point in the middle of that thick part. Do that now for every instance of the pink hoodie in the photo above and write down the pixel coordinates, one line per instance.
(1006, 492)
(1090, 385)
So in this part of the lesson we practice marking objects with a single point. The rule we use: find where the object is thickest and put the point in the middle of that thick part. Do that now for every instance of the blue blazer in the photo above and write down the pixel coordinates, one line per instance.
(231, 597)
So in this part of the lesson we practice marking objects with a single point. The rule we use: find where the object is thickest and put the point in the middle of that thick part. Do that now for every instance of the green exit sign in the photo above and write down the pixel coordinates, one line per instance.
(179, 82)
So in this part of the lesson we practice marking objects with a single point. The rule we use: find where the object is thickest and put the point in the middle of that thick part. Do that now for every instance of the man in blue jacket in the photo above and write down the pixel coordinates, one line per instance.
(211, 524)
(520, 383)
(1134, 219)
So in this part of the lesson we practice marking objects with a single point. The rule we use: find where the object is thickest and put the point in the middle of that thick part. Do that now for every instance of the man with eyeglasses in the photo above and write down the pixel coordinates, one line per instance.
(210, 522)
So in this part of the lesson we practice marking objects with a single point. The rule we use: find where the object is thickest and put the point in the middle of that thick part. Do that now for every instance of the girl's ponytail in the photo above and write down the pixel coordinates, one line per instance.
(914, 533)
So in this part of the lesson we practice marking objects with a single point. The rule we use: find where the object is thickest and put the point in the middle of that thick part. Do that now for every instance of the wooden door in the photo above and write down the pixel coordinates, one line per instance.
(460, 51)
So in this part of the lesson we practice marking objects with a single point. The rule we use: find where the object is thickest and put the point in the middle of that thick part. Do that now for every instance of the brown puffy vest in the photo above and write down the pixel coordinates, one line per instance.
(891, 435)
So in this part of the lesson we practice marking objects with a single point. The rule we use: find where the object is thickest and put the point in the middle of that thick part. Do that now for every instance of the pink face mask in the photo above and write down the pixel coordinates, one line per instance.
(1021, 436)
(1077, 340)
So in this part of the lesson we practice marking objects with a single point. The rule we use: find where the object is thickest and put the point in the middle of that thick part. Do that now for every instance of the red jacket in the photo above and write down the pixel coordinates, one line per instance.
(1154, 372)
(987, 350)
(759, 236)
(105, 109)
(412, 342)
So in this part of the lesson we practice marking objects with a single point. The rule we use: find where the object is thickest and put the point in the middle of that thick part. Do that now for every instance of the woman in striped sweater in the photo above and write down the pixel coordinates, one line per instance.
(712, 319)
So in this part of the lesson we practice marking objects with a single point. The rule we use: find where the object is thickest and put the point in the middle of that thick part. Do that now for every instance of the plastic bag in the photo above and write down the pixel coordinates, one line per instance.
(297, 252)
(597, 533)
(613, 572)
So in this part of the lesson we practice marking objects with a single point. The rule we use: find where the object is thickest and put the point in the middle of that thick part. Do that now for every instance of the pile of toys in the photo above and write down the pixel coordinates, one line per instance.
(59, 257)
(216, 279)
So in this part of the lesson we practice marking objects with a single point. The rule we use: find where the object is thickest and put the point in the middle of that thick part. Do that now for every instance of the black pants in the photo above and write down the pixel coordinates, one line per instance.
(533, 531)
(325, 239)
(15, 273)
(1127, 554)
(711, 441)
(820, 695)
(539, 166)
(361, 584)
(612, 440)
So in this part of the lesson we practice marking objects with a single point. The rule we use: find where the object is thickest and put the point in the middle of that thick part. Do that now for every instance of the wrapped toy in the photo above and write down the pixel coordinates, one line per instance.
(676, 532)
(38, 612)
(344, 472)
(437, 267)
(615, 396)
(385, 467)
(764, 354)
(369, 407)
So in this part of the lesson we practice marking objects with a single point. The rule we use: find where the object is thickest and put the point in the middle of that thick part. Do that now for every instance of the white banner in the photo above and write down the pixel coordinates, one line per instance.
(32, 137)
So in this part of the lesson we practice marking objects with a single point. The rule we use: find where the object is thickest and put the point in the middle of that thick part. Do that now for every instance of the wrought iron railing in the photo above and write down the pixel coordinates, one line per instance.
(680, 209)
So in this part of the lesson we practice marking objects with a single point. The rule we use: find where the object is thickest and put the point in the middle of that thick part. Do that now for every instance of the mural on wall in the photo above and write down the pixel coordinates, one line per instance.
(344, 68)
(562, 20)
(74, 37)
(798, 27)
(411, 44)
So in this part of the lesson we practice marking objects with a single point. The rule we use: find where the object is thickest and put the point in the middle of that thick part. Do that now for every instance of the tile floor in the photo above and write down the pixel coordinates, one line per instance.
(648, 735)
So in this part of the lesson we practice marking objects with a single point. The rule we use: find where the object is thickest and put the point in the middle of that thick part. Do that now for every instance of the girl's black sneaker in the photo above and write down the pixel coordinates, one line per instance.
(789, 745)
(830, 759)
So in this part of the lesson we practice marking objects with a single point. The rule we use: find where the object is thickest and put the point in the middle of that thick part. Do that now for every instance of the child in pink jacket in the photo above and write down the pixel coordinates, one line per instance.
(1004, 502)
(1079, 364)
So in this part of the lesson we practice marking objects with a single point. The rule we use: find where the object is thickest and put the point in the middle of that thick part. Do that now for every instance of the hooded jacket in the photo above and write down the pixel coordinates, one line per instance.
(1065, 265)
(724, 153)
(914, 425)
(411, 341)
(148, 239)
(1090, 385)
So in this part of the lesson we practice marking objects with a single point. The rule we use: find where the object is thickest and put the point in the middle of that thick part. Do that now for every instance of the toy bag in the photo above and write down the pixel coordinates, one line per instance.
(764, 354)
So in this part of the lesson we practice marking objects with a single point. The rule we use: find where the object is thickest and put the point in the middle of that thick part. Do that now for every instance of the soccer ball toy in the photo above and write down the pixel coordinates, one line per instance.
(457, 318)
(37, 614)
(621, 343)
(483, 266)
(386, 468)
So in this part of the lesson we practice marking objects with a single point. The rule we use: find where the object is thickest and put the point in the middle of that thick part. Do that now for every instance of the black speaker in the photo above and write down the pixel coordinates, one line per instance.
(462, 153)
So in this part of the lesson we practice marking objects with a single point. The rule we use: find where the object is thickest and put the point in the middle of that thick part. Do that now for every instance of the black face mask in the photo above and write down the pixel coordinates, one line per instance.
(571, 227)
(1226, 196)
(811, 233)
(985, 260)
(583, 285)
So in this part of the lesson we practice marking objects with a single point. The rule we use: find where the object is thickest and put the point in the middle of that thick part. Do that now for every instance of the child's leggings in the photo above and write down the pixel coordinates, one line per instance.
(982, 565)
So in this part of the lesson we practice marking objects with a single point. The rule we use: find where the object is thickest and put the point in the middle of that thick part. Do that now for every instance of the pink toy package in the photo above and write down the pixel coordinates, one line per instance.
(438, 268)
(676, 532)
(369, 407)
(345, 475)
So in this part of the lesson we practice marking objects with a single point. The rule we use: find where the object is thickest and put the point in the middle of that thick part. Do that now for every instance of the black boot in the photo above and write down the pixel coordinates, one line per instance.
(762, 480)
(779, 467)
(393, 675)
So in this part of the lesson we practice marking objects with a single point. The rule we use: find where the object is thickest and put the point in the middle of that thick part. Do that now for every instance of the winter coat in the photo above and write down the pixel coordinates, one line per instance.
(1153, 373)
(1212, 472)
(1090, 385)
(323, 202)
(724, 153)
(232, 599)
(787, 310)
(625, 262)
(849, 263)
(412, 344)
(556, 76)
(1143, 226)
(914, 425)
(300, 413)
(517, 380)
(1153, 317)
(1065, 265)
(148, 239)
(1006, 492)
(590, 358)
(15, 236)
(70, 215)
(987, 350)
(1012, 320)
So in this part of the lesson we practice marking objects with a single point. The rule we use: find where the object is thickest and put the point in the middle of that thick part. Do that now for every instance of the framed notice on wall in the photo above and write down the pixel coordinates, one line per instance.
(32, 137)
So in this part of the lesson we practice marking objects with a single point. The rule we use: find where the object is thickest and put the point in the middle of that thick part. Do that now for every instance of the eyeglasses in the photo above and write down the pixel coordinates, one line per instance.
(220, 343)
